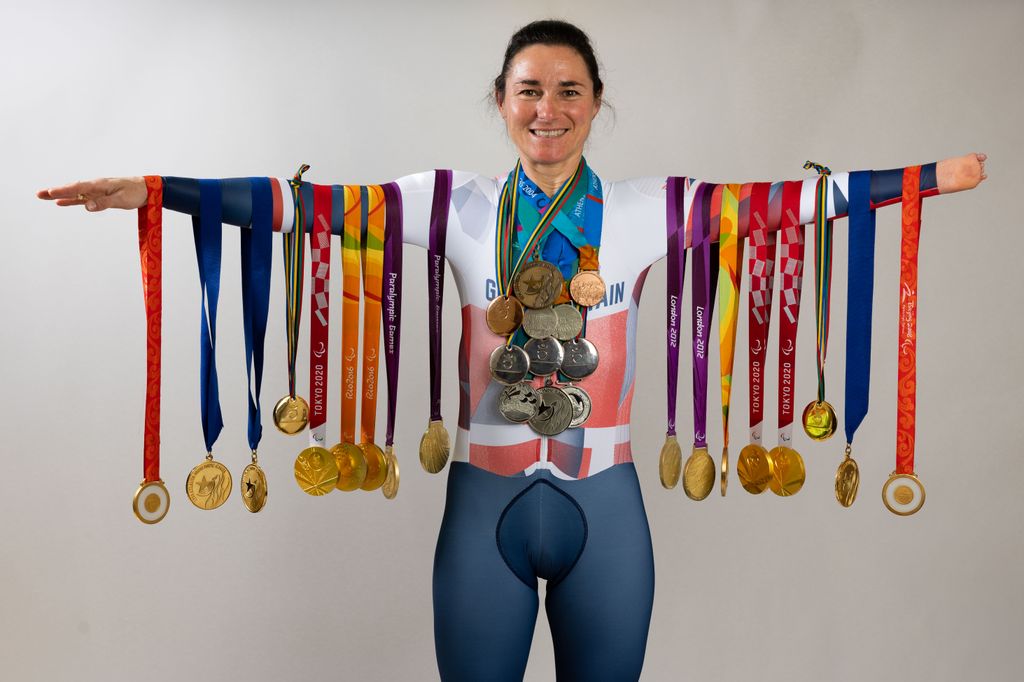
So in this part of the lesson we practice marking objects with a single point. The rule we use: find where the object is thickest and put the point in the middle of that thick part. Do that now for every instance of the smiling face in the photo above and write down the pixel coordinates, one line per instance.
(548, 104)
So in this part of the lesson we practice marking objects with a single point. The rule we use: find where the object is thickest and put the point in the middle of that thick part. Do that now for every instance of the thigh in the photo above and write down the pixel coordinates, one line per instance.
(484, 616)
(600, 613)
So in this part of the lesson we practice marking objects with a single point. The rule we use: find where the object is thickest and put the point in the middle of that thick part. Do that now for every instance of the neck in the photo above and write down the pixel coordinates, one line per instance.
(550, 177)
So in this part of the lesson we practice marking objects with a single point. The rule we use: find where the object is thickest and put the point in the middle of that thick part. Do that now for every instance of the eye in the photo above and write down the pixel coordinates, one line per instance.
(529, 92)
(571, 93)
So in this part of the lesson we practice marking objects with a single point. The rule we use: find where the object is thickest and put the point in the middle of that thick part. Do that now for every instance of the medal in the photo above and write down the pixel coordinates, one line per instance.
(209, 483)
(254, 486)
(504, 315)
(392, 299)
(316, 471)
(581, 405)
(860, 288)
(509, 364)
(538, 284)
(539, 323)
(670, 464)
(151, 500)
(754, 467)
(819, 418)
(519, 402)
(699, 474)
(291, 414)
(545, 355)
(579, 358)
(787, 471)
(568, 322)
(730, 259)
(555, 413)
(587, 287)
(903, 493)
(435, 444)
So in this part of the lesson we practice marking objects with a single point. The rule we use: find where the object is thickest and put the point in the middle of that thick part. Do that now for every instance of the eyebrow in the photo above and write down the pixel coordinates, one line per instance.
(561, 84)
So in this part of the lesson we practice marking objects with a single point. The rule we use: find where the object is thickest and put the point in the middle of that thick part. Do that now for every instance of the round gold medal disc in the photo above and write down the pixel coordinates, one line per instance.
(434, 447)
(699, 474)
(351, 466)
(291, 414)
(788, 473)
(725, 470)
(754, 468)
(151, 502)
(316, 471)
(587, 288)
(670, 464)
(847, 480)
(390, 487)
(903, 494)
(819, 420)
(376, 466)
(209, 484)
(504, 315)
(254, 487)
(538, 284)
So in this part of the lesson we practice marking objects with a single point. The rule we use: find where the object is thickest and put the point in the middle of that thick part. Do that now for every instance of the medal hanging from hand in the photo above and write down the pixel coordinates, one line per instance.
(730, 258)
(392, 290)
(670, 461)
(152, 500)
(788, 473)
(754, 467)
(316, 471)
(256, 253)
(819, 417)
(291, 414)
(209, 483)
(435, 445)
(903, 493)
(860, 294)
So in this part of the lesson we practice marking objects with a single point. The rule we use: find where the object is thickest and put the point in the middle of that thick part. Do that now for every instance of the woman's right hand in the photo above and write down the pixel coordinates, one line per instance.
(99, 194)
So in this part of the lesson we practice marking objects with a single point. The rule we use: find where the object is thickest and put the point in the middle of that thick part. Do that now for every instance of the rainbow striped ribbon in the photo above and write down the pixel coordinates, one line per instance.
(294, 266)
(823, 268)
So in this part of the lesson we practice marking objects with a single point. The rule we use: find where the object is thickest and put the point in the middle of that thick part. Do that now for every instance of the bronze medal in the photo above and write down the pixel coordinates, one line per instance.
(390, 487)
(351, 466)
(820, 421)
(151, 502)
(538, 284)
(376, 466)
(788, 473)
(291, 415)
(903, 494)
(316, 471)
(754, 468)
(209, 484)
(504, 315)
(587, 288)
(254, 486)
(847, 480)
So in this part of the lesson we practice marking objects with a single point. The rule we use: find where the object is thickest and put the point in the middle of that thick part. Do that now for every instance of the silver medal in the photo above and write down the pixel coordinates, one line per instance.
(580, 358)
(555, 413)
(545, 355)
(569, 324)
(519, 402)
(581, 404)
(509, 364)
(539, 323)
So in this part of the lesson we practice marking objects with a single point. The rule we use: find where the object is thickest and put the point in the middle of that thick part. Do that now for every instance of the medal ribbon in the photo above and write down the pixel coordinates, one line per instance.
(675, 224)
(373, 272)
(293, 244)
(860, 293)
(257, 251)
(705, 269)
(791, 267)
(151, 260)
(435, 281)
(319, 313)
(906, 396)
(392, 299)
(761, 269)
(822, 269)
(350, 267)
(730, 258)
(206, 231)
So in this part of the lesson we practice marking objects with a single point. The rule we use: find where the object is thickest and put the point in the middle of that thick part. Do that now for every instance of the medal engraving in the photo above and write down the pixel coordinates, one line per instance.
(351, 466)
(151, 502)
(254, 487)
(376, 466)
(581, 405)
(819, 420)
(545, 355)
(209, 484)
(788, 473)
(699, 474)
(580, 358)
(587, 288)
(316, 471)
(540, 323)
(754, 468)
(555, 413)
(509, 364)
(390, 487)
(504, 315)
(291, 415)
(670, 463)
(538, 284)
(519, 402)
(569, 322)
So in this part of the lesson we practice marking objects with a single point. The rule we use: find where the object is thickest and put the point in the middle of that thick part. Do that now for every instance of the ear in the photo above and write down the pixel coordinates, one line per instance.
(597, 108)
(499, 100)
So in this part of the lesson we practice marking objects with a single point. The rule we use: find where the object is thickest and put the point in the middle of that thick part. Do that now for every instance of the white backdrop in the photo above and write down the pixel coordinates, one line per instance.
(747, 587)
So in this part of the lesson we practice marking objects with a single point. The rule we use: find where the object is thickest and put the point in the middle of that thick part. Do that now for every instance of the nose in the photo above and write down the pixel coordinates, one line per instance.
(547, 107)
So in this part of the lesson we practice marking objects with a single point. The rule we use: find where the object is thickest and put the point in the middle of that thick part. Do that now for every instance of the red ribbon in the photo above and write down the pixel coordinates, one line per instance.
(150, 239)
(906, 396)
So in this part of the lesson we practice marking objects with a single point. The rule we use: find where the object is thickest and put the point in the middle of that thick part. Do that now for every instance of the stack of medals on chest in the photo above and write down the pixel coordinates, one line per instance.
(533, 297)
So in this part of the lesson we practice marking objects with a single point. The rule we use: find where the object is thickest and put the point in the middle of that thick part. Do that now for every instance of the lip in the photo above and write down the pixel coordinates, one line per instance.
(534, 132)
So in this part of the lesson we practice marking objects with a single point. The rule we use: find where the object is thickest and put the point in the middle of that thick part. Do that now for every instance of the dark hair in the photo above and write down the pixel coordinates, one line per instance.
(550, 32)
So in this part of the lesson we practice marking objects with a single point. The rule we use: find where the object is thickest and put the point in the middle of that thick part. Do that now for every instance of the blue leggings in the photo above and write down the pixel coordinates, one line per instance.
(589, 540)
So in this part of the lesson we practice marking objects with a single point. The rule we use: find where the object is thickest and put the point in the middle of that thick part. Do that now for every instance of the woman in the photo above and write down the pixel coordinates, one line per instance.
(567, 507)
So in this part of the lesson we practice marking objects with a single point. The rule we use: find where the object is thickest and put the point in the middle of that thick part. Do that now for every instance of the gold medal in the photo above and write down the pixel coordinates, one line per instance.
(847, 480)
(587, 288)
(351, 466)
(435, 446)
(376, 466)
(390, 487)
(316, 471)
(504, 315)
(754, 468)
(725, 470)
(151, 502)
(699, 474)
(670, 464)
(903, 494)
(820, 420)
(291, 415)
(254, 486)
(209, 484)
(788, 473)
(538, 284)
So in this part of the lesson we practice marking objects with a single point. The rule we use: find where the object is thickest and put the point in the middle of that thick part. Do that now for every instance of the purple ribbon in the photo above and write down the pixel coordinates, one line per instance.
(392, 298)
(703, 304)
(675, 225)
(435, 281)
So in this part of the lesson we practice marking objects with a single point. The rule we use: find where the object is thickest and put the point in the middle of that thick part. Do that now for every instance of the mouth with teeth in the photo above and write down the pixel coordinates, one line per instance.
(549, 133)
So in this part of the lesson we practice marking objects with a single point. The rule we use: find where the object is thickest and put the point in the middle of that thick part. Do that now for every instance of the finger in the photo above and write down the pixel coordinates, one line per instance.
(71, 202)
(982, 157)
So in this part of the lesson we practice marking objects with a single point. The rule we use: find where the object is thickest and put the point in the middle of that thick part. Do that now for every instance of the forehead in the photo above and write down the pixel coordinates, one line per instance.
(548, 64)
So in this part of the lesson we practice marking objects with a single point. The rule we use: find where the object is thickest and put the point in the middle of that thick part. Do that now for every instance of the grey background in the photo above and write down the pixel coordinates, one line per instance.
(747, 587)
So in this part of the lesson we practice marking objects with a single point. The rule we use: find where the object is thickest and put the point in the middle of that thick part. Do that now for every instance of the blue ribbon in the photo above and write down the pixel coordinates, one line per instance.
(860, 285)
(206, 229)
(257, 251)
